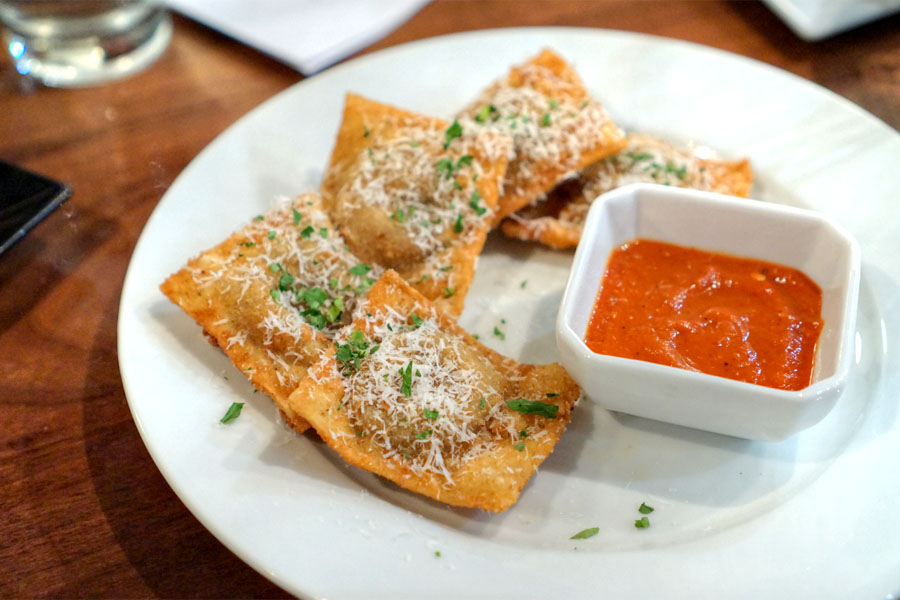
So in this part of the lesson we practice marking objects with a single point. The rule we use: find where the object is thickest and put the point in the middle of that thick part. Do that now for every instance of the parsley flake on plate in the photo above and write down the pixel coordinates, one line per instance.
(233, 412)
(586, 533)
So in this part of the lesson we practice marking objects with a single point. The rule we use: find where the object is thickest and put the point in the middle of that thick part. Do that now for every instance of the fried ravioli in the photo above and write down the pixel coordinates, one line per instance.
(273, 295)
(557, 128)
(557, 221)
(415, 194)
(407, 394)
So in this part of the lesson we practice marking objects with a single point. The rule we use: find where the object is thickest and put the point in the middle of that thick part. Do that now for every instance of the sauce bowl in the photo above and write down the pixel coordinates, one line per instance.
(806, 240)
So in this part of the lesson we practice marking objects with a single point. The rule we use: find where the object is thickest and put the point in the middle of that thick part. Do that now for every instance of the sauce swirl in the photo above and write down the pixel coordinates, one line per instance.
(738, 318)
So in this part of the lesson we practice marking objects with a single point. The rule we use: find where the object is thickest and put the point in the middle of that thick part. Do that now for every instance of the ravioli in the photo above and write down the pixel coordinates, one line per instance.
(557, 221)
(274, 294)
(415, 194)
(557, 128)
(407, 394)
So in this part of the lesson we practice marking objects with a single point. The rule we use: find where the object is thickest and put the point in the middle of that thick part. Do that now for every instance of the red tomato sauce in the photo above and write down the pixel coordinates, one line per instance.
(738, 318)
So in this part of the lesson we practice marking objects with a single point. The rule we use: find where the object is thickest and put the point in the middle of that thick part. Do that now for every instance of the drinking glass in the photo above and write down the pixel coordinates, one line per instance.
(73, 43)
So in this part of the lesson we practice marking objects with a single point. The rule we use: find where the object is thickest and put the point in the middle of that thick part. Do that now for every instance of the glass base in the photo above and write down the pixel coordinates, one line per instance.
(76, 58)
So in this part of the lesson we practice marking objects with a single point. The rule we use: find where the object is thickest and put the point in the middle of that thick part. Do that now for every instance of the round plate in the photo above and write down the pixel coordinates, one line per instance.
(814, 516)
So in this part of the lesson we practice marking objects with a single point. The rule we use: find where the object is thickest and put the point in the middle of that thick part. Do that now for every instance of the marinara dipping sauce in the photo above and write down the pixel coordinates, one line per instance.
(738, 318)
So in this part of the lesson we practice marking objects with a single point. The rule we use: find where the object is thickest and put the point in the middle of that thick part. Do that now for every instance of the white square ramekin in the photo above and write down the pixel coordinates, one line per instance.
(802, 239)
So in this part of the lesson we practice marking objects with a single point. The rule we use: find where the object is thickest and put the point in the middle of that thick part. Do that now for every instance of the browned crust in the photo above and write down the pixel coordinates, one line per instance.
(493, 481)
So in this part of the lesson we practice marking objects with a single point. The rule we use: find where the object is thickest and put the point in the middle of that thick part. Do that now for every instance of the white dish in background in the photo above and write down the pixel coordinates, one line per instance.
(814, 516)
(805, 240)
(814, 20)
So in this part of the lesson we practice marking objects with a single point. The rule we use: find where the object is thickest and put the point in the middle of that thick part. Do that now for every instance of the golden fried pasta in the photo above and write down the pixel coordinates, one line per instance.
(407, 394)
(273, 295)
(557, 128)
(415, 194)
(557, 221)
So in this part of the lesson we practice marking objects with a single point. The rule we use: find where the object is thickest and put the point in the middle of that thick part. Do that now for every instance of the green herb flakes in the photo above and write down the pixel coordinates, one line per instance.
(642, 523)
(499, 334)
(644, 509)
(473, 202)
(431, 415)
(360, 269)
(297, 216)
(533, 407)
(351, 353)
(233, 412)
(406, 380)
(586, 533)
(520, 446)
(308, 231)
(454, 131)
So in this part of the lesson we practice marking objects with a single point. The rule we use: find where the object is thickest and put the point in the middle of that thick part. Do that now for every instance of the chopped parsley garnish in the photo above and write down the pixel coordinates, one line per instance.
(545, 121)
(520, 446)
(644, 509)
(458, 225)
(444, 167)
(233, 412)
(453, 132)
(481, 404)
(637, 157)
(363, 287)
(447, 268)
(247, 244)
(351, 353)
(272, 234)
(424, 434)
(360, 269)
(554, 104)
(416, 321)
(323, 231)
(533, 407)
(315, 297)
(297, 216)
(366, 131)
(258, 218)
(586, 533)
(399, 216)
(333, 283)
(276, 295)
(642, 523)
(473, 202)
(307, 232)
(523, 284)
(488, 111)
(552, 395)
(406, 377)
(448, 292)
(523, 433)
(437, 553)
(499, 334)
(465, 159)
(431, 415)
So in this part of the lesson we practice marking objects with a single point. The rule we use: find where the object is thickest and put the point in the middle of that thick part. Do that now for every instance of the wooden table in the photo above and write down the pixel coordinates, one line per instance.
(84, 512)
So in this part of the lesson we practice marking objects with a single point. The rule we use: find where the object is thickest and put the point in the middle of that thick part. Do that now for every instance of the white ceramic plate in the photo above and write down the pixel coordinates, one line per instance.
(814, 516)
(814, 20)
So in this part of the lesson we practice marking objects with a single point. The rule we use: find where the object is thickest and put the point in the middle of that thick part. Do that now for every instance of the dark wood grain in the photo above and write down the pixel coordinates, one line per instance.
(85, 513)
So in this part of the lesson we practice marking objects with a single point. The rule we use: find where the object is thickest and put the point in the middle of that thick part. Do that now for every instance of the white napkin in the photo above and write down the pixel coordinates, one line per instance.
(309, 35)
